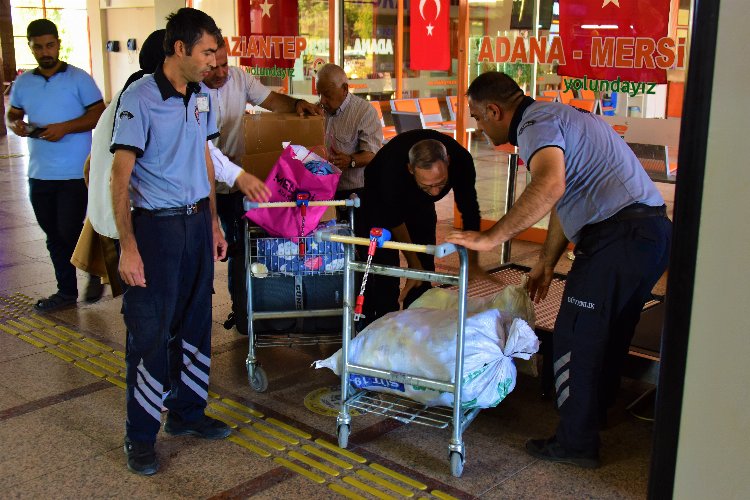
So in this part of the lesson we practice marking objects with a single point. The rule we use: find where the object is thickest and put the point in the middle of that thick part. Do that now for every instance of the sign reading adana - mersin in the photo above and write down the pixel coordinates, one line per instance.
(606, 52)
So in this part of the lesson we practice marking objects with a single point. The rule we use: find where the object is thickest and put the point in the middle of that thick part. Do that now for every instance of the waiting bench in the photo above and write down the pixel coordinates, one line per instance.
(655, 161)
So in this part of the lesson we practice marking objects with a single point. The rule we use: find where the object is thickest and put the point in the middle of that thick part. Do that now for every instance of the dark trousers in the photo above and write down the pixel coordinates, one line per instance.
(382, 292)
(60, 208)
(615, 269)
(230, 211)
(169, 322)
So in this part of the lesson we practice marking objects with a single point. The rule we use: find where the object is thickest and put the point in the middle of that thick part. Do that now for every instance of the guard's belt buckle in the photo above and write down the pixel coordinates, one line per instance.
(191, 209)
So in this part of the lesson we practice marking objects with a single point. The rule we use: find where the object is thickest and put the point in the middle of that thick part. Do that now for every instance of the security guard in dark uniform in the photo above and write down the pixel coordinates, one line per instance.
(602, 200)
(162, 167)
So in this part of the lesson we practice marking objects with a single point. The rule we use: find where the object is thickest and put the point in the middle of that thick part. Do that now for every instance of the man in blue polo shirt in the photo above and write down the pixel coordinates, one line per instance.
(62, 104)
(169, 240)
(600, 198)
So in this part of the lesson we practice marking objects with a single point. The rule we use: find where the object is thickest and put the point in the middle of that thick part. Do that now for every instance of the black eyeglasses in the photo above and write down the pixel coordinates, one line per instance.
(428, 188)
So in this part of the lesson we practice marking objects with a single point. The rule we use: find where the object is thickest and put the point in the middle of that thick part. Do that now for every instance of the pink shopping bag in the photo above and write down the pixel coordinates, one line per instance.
(288, 177)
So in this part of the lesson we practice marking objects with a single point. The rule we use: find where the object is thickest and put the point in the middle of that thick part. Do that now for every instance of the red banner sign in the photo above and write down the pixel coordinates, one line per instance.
(429, 35)
(606, 39)
(270, 28)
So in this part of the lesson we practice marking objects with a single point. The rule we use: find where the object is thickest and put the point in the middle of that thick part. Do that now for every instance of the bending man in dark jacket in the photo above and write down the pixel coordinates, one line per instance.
(402, 183)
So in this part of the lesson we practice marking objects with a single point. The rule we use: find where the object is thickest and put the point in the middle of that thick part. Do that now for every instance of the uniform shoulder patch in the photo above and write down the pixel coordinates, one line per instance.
(126, 114)
(527, 124)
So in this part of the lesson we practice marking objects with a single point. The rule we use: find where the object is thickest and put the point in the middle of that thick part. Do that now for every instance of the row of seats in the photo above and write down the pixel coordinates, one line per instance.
(422, 112)
(586, 100)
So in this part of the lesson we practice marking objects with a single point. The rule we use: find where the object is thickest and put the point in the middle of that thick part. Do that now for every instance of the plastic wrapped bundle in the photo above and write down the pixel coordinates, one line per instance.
(422, 342)
(281, 255)
(319, 167)
(511, 300)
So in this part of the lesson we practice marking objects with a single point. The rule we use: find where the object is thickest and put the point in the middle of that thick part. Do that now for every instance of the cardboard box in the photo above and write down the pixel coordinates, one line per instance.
(260, 164)
(265, 133)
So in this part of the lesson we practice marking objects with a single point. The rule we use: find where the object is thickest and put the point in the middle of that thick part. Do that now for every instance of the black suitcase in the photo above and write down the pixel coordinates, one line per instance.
(291, 293)
(286, 293)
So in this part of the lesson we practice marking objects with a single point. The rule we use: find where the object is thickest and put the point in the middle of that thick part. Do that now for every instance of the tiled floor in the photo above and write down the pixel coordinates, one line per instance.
(62, 405)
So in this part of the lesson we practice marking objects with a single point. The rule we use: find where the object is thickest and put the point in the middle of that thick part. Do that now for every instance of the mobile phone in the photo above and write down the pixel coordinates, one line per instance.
(35, 133)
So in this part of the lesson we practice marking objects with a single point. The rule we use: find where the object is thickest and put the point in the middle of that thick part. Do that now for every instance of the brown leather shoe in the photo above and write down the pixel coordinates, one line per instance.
(94, 290)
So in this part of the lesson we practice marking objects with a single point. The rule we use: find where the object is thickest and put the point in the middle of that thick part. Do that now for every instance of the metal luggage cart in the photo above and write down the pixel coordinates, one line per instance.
(403, 409)
(291, 282)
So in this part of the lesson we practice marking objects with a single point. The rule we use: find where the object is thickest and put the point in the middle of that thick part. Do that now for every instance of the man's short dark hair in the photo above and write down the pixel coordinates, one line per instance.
(424, 153)
(496, 87)
(41, 27)
(188, 25)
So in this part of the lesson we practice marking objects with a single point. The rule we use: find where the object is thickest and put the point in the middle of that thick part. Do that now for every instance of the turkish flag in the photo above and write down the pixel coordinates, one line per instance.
(429, 35)
(619, 32)
(266, 18)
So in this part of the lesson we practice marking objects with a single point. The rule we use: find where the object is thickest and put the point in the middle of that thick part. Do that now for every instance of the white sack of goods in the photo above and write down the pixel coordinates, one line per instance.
(511, 300)
(421, 342)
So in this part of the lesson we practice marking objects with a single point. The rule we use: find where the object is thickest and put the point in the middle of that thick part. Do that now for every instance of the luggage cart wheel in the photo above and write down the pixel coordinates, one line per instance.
(457, 464)
(343, 432)
(259, 380)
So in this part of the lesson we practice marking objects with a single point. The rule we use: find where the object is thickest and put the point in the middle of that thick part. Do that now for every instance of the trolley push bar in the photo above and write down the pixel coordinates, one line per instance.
(249, 205)
(438, 251)
(403, 409)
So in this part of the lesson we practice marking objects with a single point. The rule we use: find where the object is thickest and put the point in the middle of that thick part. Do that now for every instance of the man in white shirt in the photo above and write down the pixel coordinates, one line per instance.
(231, 88)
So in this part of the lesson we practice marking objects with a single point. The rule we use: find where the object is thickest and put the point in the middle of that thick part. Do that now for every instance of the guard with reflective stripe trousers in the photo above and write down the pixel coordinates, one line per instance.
(162, 168)
(599, 198)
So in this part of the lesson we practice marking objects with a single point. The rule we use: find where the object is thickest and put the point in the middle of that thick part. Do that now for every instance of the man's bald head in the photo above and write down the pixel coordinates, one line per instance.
(332, 74)
(333, 87)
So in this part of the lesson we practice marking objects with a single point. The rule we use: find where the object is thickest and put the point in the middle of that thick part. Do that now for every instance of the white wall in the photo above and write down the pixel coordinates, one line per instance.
(224, 13)
(714, 443)
(123, 19)
(97, 38)
(122, 24)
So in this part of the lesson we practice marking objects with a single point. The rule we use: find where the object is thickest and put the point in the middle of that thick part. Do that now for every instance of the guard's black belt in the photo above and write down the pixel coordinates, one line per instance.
(192, 209)
(634, 211)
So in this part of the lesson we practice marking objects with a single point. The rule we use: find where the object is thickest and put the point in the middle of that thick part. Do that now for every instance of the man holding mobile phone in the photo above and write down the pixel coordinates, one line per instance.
(35, 132)
(62, 104)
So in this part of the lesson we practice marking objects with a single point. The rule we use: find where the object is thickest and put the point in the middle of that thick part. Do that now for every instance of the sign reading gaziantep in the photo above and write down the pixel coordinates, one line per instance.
(266, 47)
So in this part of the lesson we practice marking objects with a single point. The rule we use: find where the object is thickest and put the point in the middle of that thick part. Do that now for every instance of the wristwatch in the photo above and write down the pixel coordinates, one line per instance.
(353, 164)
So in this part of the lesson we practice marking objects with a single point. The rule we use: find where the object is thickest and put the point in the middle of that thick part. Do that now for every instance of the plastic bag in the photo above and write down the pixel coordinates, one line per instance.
(512, 300)
(422, 342)
(289, 176)
(280, 255)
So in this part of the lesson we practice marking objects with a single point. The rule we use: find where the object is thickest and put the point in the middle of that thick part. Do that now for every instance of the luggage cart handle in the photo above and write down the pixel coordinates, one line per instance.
(438, 251)
(249, 205)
